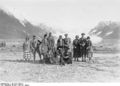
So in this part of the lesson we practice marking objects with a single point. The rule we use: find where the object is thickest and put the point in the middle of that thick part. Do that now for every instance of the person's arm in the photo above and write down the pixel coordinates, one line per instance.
(79, 42)
(31, 47)
(73, 44)
(57, 43)
(24, 46)
(53, 42)
(63, 43)
(36, 43)
(69, 40)
(91, 43)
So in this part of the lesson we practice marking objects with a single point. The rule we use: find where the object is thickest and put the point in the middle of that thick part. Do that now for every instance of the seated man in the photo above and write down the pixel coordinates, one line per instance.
(60, 44)
(67, 53)
(67, 57)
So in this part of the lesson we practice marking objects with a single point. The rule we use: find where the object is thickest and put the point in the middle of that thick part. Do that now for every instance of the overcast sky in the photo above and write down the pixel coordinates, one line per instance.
(74, 16)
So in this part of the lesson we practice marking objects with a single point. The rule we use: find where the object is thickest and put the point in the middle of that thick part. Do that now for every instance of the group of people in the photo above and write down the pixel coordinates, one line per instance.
(63, 52)
(82, 47)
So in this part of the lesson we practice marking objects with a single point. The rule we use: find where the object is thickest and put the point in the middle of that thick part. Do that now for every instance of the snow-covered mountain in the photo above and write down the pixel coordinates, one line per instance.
(107, 30)
(13, 28)
(108, 33)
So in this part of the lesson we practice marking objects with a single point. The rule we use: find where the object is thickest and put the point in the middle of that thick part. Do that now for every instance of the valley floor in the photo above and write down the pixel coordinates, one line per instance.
(103, 68)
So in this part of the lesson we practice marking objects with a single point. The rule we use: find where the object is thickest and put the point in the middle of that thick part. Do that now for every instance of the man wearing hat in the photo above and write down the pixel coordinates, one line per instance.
(33, 46)
(60, 44)
(82, 42)
(67, 47)
(76, 49)
(51, 41)
(67, 42)
(51, 45)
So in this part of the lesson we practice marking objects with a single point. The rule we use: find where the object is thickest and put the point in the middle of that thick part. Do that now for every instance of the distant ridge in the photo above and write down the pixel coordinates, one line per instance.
(107, 30)
(13, 28)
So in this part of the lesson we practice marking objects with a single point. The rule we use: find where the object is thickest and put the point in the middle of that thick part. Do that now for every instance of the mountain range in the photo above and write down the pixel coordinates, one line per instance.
(107, 30)
(13, 28)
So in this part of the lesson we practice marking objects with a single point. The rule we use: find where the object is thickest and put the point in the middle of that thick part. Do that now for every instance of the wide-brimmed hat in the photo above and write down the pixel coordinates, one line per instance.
(88, 37)
(34, 36)
(82, 33)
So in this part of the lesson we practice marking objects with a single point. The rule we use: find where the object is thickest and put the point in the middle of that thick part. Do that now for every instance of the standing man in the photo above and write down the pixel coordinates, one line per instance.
(76, 49)
(51, 41)
(44, 48)
(67, 42)
(51, 45)
(60, 44)
(82, 42)
(33, 46)
(38, 48)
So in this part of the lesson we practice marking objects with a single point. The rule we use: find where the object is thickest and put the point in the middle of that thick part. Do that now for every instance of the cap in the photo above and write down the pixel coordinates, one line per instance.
(88, 37)
(82, 33)
(34, 36)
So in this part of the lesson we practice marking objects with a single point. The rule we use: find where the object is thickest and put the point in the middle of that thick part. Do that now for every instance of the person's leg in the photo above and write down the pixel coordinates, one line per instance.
(26, 55)
(74, 55)
(61, 57)
(39, 54)
(44, 58)
(85, 54)
(90, 56)
(62, 61)
(34, 55)
(82, 55)
(29, 56)
(23, 55)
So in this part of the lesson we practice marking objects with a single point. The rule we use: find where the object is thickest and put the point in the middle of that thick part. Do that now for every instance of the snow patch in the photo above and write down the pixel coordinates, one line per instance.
(94, 31)
(95, 39)
(108, 33)
(22, 22)
(98, 33)
(24, 31)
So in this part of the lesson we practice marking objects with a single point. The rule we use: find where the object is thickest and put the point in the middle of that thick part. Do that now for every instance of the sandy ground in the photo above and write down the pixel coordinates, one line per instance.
(103, 68)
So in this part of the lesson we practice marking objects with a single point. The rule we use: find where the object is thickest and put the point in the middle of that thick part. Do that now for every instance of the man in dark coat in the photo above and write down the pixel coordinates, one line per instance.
(76, 48)
(60, 45)
(33, 46)
(82, 42)
(44, 49)
(67, 48)
(67, 42)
